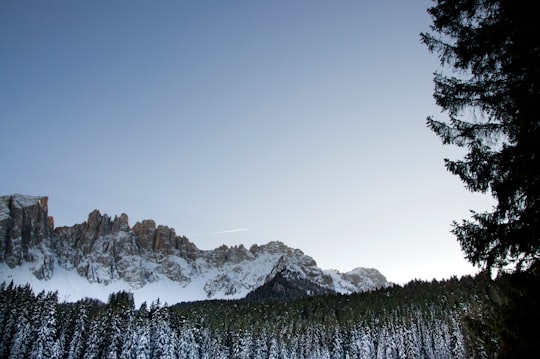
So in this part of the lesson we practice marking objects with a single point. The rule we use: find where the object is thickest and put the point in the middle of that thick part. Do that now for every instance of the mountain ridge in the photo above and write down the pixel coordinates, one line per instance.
(110, 255)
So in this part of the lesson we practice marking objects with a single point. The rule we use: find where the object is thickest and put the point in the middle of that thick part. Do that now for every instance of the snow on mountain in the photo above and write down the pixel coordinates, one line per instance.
(358, 280)
(105, 255)
(17, 201)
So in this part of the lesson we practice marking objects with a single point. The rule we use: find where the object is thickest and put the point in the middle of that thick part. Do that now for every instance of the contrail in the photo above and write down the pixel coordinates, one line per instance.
(231, 231)
(220, 232)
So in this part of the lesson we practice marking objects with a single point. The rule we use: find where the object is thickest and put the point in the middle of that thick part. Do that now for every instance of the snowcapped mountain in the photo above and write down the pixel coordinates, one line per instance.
(104, 255)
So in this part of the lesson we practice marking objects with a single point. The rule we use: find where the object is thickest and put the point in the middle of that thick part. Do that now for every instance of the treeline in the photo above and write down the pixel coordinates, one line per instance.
(418, 320)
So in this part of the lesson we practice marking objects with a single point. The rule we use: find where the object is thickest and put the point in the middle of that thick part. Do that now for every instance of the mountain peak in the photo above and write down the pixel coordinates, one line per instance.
(105, 254)
(20, 201)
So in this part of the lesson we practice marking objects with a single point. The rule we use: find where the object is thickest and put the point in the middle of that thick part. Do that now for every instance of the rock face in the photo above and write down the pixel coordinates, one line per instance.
(108, 251)
(24, 225)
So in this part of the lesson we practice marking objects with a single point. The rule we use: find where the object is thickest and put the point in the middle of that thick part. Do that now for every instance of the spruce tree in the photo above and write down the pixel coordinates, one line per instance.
(162, 336)
(45, 343)
(22, 310)
(75, 346)
(492, 97)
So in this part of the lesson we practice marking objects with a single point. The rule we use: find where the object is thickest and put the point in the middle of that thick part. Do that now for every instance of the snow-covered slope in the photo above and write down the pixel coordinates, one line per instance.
(104, 255)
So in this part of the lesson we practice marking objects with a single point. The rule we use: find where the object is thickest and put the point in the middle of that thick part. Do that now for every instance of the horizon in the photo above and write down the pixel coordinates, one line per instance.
(301, 122)
(246, 245)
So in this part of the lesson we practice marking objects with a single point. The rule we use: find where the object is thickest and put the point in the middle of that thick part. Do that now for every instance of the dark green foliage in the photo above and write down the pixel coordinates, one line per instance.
(505, 324)
(519, 314)
(281, 288)
(16, 330)
(419, 320)
(492, 100)
(365, 322)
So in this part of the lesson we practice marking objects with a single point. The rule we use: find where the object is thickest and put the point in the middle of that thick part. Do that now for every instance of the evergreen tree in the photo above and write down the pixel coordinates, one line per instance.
(492, 100)
(163, 339)
(187, 347)
(337, 346)
(76, 343)
(12, 301)
(137, 344)
(23, 334)
(95, 340)
(119, 319)
(362, 344)
(45, 343)
(5, 296)
(21, 341)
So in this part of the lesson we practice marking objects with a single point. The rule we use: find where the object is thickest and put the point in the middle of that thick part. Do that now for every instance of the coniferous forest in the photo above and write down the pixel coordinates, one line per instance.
(489, 89)
(439, 319)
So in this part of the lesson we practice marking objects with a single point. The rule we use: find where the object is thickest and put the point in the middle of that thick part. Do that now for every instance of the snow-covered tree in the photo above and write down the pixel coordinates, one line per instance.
(45, 344)
(163, 338)
(22, 339)
(76, 343)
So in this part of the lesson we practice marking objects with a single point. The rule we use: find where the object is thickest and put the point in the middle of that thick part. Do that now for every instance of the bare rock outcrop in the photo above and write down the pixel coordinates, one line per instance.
(24, 224)
(105, 250)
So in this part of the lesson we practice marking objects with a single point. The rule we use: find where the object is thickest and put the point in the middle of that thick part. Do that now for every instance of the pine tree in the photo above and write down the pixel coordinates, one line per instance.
(75, 347)
(337, 346)
(492, 101)
(209, 345)
(137, 343)
(22, 310)
(426, 340)
(94, 341)
(23, 334)
(5, 297)
(412, 342)
(21, 341)
(163, 339)
(274, 349)
(119, 318)
(441, 339)
(11, 305)
(45, 344)
(362, 345)
(186, 345)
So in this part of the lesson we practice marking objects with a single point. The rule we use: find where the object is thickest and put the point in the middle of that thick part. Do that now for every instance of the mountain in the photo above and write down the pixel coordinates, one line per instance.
(105, 255)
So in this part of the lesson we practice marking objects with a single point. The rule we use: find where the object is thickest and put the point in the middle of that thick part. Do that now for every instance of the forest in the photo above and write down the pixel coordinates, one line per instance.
(488, 88)
(438, 319)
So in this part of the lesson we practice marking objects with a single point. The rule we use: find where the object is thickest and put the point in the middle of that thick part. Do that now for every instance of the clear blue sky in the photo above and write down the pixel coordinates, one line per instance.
(301, 121)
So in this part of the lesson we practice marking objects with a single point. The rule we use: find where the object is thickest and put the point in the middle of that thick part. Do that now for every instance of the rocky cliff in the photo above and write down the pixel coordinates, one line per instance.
(107, 251)
(24, 226)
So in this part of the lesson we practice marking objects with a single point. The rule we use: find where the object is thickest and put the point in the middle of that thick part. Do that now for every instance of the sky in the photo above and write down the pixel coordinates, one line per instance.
(237, 122)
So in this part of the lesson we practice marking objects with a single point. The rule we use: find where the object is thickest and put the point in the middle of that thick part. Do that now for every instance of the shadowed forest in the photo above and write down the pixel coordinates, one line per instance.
(419, 320)
(489, 89)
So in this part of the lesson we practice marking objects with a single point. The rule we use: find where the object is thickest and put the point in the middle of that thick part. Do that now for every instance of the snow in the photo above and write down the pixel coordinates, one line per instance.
(4, 208)
(168, 277)
(71, 287)
(367, 278)
(19, 201)
(116, 263)
(206, 281)
(241, 278)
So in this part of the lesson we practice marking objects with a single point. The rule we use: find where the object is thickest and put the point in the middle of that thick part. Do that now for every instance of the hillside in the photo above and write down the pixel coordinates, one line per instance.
(420, 320)
(104, 255)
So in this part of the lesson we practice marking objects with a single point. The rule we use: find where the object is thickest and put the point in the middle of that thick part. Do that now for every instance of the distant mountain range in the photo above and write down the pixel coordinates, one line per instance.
(105, 255)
